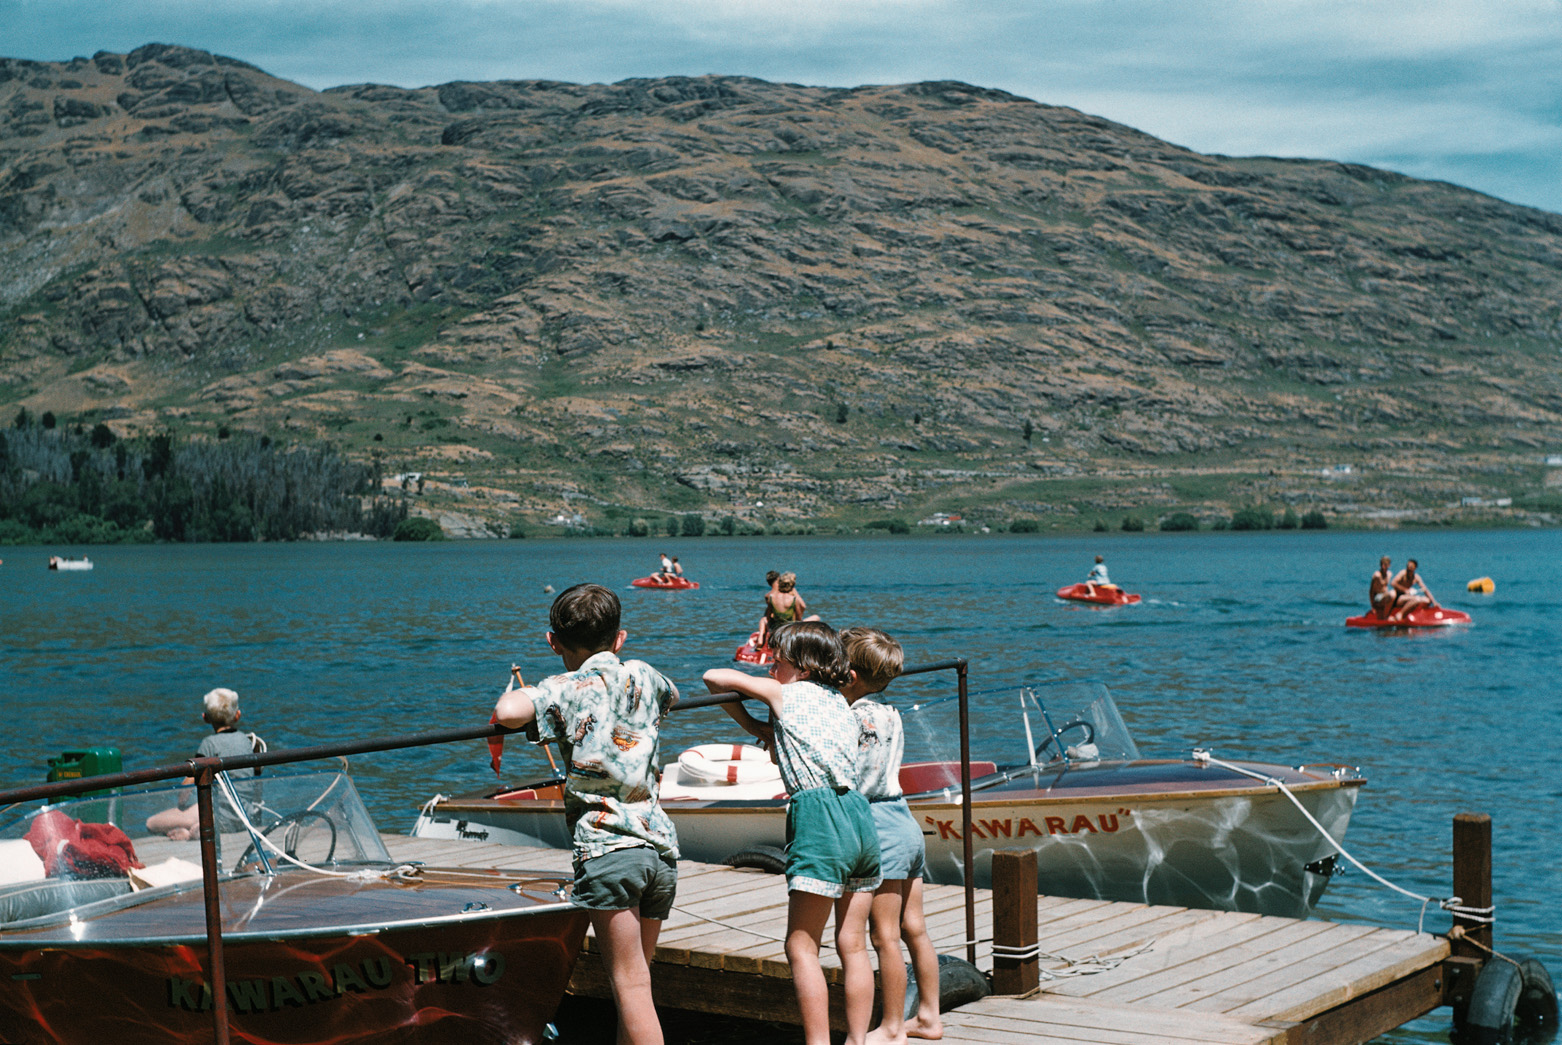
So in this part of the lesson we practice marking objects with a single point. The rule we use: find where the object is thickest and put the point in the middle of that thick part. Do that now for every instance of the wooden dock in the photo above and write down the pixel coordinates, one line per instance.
(1186, 976)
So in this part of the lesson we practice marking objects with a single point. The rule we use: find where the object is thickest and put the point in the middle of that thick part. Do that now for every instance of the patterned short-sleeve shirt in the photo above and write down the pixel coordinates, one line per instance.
(881, 744)
(606, 716)
(816, 738)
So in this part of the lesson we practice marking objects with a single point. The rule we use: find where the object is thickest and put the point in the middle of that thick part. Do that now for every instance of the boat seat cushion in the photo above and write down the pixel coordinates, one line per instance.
(37, 899)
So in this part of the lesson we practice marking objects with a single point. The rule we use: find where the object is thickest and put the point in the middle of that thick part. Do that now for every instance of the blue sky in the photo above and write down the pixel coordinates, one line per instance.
(1468, 91)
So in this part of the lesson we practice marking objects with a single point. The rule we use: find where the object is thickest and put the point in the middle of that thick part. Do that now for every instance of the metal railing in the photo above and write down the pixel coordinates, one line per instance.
(205, 769)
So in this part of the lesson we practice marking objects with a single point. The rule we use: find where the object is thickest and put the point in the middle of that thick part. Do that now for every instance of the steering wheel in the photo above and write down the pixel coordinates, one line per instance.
(1056, 737)
(312, 831)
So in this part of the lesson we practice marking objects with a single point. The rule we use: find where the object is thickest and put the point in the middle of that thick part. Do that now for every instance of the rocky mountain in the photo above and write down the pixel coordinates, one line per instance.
(786, 304)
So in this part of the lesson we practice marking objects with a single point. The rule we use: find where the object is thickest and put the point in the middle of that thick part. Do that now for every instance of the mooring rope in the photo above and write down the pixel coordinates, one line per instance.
(1452, 904)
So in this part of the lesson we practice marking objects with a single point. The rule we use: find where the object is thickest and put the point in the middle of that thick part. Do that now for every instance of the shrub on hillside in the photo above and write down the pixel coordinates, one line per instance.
(418, 528)
(1133, 524)
(1314, 520)
(1252, 519)
(693, 525)
(1179, 521)
(1287, 521)
(1024, 526)
(892, 525)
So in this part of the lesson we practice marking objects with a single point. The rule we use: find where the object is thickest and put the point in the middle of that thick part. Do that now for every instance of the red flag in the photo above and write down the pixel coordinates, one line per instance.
(495, 746)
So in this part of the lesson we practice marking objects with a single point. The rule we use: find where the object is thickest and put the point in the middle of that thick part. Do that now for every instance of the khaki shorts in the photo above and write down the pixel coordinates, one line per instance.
(624, 878)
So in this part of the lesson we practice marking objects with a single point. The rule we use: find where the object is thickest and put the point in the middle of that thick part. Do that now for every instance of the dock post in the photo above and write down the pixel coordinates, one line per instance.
(1472, 881)
(1016, 965)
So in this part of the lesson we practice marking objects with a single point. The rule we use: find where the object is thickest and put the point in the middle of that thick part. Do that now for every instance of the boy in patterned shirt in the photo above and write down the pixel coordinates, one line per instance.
(606, 715)
(876, 661)
(832, 855)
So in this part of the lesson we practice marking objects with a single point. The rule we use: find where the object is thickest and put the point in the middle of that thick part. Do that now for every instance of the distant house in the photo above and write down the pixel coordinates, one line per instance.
(941, 519)
(1334, 471)
(1554, 460)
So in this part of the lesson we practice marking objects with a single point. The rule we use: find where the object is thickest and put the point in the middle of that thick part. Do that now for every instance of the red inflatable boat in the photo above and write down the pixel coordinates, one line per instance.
(1425, 617)
(669, 584)
(751, 652)
(1105, 595)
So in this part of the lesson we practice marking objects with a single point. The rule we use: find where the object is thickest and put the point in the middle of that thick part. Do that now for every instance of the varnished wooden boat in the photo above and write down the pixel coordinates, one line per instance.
(350, 949)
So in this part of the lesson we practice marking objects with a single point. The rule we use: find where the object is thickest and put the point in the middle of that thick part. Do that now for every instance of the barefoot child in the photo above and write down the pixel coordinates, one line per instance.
(876, 660)
(606, 716)
(832, 848)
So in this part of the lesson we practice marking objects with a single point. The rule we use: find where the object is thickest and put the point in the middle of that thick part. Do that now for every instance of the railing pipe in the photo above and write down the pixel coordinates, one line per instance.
(217, 974)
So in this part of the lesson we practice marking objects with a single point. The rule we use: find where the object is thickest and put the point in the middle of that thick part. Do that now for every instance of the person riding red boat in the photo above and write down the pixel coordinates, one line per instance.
(1407, 601)
(1098, 577)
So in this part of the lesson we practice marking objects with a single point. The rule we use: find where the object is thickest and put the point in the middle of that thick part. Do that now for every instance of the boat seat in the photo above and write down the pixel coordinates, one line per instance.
(20, 903)
(919, 777)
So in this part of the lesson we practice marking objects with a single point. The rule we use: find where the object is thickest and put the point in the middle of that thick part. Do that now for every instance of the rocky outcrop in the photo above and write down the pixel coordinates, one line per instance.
(740, 289)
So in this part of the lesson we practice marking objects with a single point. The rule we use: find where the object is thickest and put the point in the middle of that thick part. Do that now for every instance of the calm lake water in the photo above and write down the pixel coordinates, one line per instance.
(1239, 645)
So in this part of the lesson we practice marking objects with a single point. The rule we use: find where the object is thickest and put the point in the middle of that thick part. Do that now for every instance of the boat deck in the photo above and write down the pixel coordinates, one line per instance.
(1186, 975)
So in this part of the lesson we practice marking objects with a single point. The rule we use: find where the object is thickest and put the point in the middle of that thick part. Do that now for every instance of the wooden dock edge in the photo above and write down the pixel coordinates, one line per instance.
(751, 995)
(1373, 1014)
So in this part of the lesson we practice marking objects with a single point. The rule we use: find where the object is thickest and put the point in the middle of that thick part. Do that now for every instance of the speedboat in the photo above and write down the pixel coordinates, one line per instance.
(1105, 822)
(665, 583)
(1103, 595)
(57, 562)
(325, 938)
(1422, 617)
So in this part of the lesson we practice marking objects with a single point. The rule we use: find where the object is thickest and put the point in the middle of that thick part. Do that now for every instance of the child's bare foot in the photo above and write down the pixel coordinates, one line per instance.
(180, 834)
(879, 1036)
(929, 1028)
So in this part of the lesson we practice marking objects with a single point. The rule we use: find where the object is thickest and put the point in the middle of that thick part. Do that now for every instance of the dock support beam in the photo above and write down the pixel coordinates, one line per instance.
(1016, 965)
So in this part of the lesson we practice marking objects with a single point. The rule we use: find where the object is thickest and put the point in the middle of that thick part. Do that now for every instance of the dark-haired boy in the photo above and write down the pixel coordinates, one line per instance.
(606, 716)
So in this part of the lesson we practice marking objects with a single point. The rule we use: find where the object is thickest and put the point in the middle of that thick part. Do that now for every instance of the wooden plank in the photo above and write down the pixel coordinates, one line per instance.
(1304, 996)
(1204, 965)
(1299, 960)
(1168, 961)
(1076, 1020)
(1133, 935)
(1133, 921)
(1372, 1014)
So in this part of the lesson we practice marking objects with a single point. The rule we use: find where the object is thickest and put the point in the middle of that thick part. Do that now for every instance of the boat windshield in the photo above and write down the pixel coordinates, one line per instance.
(59, 857)
(1054, 723)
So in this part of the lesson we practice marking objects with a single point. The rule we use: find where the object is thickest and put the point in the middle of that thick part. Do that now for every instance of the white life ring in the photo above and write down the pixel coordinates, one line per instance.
(727, 764)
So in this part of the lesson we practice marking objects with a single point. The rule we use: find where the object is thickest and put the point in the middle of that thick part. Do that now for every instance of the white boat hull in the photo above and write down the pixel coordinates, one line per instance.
(1243, 849)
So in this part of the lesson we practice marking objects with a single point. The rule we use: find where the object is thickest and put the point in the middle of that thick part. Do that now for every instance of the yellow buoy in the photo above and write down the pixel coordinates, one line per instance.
(1483, 585)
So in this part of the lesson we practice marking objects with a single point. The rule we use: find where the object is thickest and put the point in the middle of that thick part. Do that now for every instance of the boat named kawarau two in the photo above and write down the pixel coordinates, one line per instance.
(103, 932)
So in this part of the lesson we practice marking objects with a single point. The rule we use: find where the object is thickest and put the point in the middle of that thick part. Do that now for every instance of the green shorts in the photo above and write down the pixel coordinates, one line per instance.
(832, 847)
(624, 878)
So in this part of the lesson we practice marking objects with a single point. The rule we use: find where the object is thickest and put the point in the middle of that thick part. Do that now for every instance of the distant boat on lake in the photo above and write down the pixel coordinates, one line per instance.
(58, 563)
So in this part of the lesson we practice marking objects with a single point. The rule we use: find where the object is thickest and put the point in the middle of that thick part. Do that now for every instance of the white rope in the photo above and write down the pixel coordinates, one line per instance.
(1452, 904)
(728, 925)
